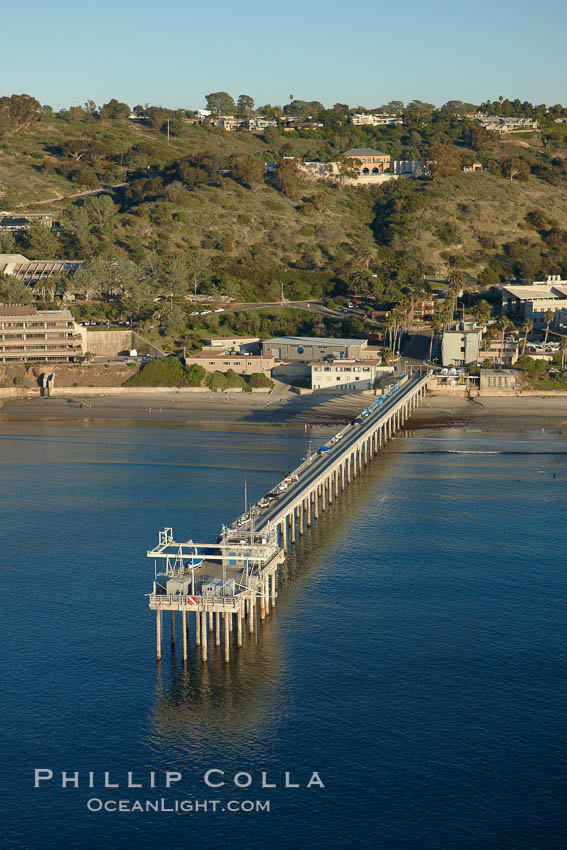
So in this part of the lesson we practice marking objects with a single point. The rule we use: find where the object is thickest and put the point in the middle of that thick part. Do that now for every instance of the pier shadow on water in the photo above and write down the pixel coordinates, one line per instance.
(195, 699)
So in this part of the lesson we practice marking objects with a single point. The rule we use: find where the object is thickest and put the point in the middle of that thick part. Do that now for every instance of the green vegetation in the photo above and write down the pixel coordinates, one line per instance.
(189, 209)
(542, 375)
(170, 372)
(259, 381)
(167, 372)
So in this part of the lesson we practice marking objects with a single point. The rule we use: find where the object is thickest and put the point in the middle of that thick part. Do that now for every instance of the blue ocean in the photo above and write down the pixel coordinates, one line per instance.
(415, 662)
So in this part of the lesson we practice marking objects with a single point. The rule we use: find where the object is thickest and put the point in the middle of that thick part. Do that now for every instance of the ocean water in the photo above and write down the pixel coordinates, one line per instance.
(416, 659)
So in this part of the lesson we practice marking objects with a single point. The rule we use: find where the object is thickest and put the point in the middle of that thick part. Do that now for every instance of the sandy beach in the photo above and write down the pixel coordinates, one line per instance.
(285, 410)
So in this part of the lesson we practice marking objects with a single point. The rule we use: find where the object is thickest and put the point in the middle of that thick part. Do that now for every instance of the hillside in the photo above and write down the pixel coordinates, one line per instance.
(199, 213)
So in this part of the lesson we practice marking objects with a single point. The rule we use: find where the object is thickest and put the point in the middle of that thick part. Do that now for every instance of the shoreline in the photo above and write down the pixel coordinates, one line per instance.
(284, 411)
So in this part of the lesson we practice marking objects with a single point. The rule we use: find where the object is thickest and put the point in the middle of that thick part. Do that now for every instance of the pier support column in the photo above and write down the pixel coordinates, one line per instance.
(204, 636)
(309, 510)
(251, 609)
(239, 627)
(273, 590)
(210, 621)
(301, 517)
(262, 601)
(323, 505)
(172, 629)
(347, 464)
(316, 502)
(229, 615)
(217, 628)
(330, 486)
(184, 634)
(292, 525)
(282, 535)
(226, 638)
(158, 634)
(343, 469)
(267, 594)
(197, 628)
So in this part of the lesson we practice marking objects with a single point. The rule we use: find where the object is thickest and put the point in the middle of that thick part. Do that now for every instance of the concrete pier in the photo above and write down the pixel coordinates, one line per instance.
(222, 582)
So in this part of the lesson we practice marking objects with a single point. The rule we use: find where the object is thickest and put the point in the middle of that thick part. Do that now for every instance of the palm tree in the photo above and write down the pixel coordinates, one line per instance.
(526, 327)
(505, 325)
(455, 277)
(548, 316)
(481, 311)
(563, 345)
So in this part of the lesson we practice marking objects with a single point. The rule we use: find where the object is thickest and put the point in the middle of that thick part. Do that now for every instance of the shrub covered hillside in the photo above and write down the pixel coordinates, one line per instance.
(166, 206)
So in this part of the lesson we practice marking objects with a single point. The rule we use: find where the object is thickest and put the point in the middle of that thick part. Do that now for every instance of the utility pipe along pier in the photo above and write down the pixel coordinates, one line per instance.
(230, 585)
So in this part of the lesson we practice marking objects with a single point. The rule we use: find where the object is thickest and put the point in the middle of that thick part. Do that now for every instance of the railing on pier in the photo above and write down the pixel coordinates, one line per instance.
(195, 602)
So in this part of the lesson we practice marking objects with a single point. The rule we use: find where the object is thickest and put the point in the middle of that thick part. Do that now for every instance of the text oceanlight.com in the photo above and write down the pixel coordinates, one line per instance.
(94, 804)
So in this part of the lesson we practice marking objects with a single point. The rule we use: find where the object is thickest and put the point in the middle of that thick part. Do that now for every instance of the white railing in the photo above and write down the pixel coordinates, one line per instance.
(197, 602)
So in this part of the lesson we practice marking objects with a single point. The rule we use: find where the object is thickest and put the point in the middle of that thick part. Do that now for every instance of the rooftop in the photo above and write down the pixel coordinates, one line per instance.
(20, 310)
(224, 354)
(12, 258)
(364, 152)
(528, 293)
(314, 340)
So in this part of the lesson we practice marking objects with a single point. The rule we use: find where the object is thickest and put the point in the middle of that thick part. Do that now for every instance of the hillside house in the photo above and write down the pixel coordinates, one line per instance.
(368, 160)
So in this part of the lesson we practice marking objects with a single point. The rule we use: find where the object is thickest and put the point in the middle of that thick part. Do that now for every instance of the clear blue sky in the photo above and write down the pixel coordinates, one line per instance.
(363, 52)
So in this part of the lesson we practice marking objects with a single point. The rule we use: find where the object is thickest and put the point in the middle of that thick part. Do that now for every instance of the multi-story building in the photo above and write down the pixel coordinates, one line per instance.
(258, 122)
(31, 336)
(504, 124)
(368, 161)
(219, 360)
(346, 374)
(371, 119)
(461, 345)
(533, 302)
(17, 222)
(502, 352)
(32, 271)
(306, 349)
(409, 168)
(423, 308)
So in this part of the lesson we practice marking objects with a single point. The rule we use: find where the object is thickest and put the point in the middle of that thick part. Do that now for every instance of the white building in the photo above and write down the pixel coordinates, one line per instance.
(409, 168)
(501, 124)
(370, 119)
(306, 349)
(346, 374)
(461, 345)
(532, 302)
(258, 122)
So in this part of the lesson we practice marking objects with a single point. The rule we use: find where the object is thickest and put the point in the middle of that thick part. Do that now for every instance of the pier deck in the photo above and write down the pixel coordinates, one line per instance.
(224, 581)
